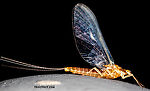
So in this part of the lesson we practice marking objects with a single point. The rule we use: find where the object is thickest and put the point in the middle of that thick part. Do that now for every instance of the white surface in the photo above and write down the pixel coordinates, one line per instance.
(68, 82)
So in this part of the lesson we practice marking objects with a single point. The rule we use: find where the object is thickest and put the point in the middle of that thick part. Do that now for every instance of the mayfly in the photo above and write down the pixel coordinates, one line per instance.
(91, 46)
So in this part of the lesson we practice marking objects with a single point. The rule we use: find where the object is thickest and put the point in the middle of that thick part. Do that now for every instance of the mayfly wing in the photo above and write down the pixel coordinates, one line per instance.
(88, 37)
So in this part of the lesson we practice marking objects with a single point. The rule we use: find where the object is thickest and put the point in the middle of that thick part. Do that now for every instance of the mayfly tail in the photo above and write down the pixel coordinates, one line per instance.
(27, 65)
(23, 68)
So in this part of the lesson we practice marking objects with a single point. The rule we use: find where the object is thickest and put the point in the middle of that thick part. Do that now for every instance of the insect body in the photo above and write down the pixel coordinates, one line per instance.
(91, 46)
(110, 72)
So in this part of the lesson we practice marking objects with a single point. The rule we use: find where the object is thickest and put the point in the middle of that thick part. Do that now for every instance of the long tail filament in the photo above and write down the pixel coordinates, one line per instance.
(28, 65)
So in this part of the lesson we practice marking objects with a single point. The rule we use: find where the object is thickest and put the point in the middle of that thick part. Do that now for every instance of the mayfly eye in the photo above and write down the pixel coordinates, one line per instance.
(128, 71)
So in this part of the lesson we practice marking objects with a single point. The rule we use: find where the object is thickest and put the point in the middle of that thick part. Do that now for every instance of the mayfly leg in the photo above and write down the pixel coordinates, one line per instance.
(96, 71)
(141, 85)
(129, 75)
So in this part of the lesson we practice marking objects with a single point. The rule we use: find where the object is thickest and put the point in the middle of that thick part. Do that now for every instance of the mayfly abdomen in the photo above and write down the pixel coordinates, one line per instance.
(82, 71)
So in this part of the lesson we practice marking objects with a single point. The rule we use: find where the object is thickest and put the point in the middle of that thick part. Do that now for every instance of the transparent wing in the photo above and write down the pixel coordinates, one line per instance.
(88, 37)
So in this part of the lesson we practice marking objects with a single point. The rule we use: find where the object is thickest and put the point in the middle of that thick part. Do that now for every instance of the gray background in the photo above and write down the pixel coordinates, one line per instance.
(69, 82)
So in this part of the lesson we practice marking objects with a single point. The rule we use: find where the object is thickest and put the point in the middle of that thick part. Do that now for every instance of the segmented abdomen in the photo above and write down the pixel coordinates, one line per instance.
(82, 71)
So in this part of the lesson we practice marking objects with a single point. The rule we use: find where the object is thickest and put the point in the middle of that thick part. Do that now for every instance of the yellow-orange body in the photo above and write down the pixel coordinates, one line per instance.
(82, 71)
(110, 72)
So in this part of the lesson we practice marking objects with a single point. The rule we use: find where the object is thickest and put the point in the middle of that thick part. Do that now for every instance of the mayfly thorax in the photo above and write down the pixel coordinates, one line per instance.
(91, 46)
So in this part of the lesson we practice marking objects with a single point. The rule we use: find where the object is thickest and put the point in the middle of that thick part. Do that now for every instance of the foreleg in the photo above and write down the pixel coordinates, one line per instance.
(129, 75)
(124, 77)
